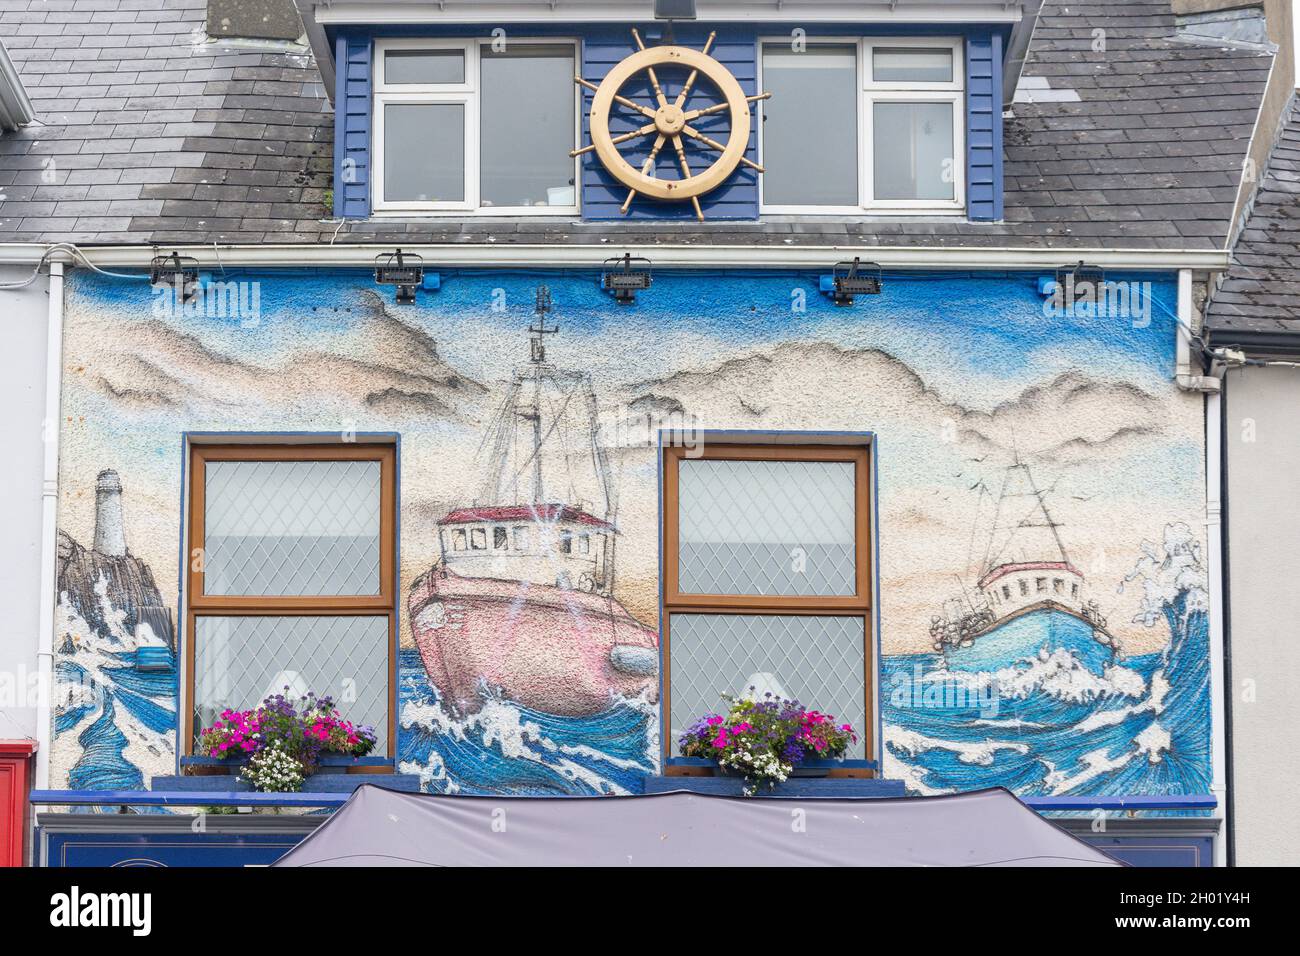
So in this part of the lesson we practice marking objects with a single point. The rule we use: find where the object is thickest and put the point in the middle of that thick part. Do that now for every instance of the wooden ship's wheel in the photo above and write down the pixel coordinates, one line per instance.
(670, 122)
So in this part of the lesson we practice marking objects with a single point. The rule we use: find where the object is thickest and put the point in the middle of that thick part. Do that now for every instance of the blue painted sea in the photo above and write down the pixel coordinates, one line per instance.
(1050, 725)
(509, 749)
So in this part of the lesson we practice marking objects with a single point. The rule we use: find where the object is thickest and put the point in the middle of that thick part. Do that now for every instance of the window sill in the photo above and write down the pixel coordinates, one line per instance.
(215, 766)
(796, 788)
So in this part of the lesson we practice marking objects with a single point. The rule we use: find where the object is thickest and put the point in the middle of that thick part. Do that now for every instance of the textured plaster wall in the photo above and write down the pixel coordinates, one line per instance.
(22, 396)
(1263, 458)
(958, 376)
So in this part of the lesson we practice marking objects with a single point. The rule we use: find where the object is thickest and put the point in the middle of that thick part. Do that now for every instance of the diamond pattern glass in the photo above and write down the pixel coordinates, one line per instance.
(819, 661)
(276, 528)
(766, 527)
(238, 661)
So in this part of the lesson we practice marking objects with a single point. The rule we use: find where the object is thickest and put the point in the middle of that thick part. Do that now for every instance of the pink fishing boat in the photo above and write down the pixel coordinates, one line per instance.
(521, 602)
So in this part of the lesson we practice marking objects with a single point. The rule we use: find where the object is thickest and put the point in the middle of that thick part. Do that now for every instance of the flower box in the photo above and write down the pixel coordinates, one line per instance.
(331, 764)
(809, 769)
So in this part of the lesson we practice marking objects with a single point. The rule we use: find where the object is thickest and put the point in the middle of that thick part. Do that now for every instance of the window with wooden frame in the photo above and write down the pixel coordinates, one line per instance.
(292, 580)
(767, 581)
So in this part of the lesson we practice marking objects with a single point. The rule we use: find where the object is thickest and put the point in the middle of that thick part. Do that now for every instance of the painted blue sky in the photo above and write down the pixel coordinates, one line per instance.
(979, 340)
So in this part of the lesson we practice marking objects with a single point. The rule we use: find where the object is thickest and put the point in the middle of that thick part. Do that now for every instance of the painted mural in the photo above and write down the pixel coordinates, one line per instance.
(1042, 602)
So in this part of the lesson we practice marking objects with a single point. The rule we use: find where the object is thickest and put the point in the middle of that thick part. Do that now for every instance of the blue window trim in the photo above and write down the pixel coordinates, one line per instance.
(737, 199)
(782, 438)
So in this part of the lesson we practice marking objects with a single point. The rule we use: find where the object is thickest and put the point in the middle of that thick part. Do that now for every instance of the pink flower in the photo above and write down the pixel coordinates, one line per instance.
(714, 721)
(720, 741)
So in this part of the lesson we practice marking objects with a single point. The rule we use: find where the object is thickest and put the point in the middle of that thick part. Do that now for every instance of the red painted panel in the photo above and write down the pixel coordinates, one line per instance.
(15, 764)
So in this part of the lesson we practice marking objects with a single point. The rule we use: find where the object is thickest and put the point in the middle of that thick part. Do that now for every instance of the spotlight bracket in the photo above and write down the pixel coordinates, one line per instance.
(623, 281)
(851, 279)
(405, 270)
(178, 271)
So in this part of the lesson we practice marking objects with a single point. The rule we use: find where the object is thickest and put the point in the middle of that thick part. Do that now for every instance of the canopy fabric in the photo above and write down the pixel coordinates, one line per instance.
(378, 827)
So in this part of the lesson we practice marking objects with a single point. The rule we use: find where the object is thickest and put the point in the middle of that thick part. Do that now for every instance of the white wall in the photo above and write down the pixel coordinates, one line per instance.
(23, 316)
(1262, 430)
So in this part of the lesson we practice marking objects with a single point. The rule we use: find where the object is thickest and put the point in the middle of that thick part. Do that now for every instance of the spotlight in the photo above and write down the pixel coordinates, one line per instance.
(402, 269)
(178, 271)
(1073, 285)
(850, 279)
(623, 281)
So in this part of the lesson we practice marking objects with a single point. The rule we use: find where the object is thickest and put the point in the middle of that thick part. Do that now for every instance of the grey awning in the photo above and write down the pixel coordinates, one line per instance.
(986, 828)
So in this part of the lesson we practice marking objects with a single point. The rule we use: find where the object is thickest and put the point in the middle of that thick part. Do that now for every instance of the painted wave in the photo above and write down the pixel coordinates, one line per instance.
(1049, 725)
(123, 719)
(509, 749)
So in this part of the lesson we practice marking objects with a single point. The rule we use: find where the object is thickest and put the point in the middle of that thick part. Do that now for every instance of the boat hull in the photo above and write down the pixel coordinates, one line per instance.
(1047, 627)
(555, 650)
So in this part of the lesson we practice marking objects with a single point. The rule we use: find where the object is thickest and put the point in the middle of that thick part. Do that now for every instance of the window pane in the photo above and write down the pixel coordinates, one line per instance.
(424, 152)
(819, 661)
(238, 661)
(766, 527)
(897, 65)
(424, 66)
(810, 126)
(291, 527)
(913, 152)
(527, 126)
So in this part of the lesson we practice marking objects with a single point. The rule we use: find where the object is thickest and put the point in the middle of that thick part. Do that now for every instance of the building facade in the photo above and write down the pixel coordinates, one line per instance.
(850, 358)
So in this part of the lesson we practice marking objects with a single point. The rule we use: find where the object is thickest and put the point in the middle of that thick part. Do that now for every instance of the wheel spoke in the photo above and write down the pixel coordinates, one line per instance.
(690, 80)
(621, 100)
(696, 114)
(714, 144)
(648, 166)
(686, 174)
(645, 130)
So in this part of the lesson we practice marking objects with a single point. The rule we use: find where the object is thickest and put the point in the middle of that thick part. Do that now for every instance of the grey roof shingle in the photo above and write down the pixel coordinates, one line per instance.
(1257, 303)
(149, 137)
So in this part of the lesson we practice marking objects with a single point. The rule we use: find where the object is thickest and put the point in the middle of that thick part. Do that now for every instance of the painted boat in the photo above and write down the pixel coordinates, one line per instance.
(553, 649)
(1029, 600)
(521, 602)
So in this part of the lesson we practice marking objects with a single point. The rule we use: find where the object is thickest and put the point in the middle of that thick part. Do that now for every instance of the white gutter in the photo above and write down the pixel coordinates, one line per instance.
(671, 256)
(49, 524)
(321, 50)
(385, 12)
(1214, 561)
(1187, 372)
(15, 108)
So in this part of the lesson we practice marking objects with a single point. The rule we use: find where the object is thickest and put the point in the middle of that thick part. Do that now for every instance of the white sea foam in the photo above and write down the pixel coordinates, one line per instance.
(1154, 741)
(976, 752)
(1058, 674)
(1095, 763)
(1168, 569)
(1155, 704)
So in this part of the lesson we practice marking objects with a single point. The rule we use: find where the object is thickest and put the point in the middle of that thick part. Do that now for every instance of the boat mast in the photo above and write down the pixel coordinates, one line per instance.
(538, 330)
(1051, 522)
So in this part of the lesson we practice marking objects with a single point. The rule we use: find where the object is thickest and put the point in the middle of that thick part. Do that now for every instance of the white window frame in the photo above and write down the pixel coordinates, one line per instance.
(467, 94)
(870, 93)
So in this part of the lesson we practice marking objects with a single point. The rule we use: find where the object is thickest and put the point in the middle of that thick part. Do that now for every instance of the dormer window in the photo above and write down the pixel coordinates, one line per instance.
(475, 126)
(886, 116)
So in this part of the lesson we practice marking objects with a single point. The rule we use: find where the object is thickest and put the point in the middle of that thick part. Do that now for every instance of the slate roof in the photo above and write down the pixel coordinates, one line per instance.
(154, 138)
(1257, 304)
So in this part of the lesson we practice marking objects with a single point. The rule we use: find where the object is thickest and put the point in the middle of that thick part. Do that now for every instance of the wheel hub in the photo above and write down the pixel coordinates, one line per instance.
(670, 119)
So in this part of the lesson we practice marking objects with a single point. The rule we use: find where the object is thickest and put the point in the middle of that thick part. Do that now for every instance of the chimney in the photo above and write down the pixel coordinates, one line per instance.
(109, 537)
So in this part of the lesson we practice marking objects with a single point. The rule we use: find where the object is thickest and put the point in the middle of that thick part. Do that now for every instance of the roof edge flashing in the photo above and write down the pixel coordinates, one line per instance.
(15, 108)
(1241, 28)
